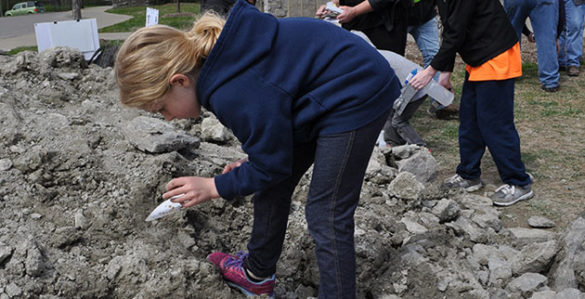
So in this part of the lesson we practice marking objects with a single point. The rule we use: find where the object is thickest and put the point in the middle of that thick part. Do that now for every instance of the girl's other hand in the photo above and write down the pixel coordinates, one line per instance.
(233, 165)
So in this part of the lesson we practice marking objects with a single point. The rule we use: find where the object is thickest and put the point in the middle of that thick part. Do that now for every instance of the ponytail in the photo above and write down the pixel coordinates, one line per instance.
(152, 55)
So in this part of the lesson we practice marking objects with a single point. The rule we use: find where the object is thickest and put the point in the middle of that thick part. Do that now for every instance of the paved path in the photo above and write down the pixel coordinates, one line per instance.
(19, 31)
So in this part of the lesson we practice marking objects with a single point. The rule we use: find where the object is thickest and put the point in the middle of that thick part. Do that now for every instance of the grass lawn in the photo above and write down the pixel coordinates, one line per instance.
(167, 16)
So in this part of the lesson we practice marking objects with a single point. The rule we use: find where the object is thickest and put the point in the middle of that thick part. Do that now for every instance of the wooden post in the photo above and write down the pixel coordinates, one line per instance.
(76, 8)
(178, 6)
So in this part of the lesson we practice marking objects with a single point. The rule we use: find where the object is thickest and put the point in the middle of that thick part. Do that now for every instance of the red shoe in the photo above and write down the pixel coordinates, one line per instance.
(233, 272)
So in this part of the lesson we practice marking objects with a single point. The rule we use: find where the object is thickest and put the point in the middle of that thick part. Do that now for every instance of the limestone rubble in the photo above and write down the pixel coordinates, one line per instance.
(79, 174)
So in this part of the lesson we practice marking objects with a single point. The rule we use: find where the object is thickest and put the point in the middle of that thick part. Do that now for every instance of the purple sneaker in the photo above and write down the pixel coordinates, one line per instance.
(233, 272)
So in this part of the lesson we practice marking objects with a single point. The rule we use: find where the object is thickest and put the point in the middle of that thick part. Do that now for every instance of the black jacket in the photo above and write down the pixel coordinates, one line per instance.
(421, 12)
(478, 30)
(386, 13)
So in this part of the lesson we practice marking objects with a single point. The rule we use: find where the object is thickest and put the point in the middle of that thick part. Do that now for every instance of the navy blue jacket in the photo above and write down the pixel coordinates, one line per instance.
(277, 82)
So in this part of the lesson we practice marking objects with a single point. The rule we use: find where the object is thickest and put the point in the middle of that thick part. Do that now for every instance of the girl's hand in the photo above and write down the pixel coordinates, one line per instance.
(233, 165)
(196, 190)
(421, 79)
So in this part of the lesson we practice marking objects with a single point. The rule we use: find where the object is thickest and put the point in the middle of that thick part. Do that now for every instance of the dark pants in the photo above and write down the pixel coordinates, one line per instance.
(397, 129)
(486, 117)
(383, 39)
(340, 164)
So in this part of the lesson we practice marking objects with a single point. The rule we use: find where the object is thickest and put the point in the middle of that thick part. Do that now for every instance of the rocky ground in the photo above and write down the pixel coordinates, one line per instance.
(79, 174)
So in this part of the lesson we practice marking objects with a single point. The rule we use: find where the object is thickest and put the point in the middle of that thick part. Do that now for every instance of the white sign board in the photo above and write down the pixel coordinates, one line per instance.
(151, 16)
(81, 35)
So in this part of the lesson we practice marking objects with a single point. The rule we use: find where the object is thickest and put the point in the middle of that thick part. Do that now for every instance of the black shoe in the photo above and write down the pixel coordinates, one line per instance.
(550, 89)
(573, 71)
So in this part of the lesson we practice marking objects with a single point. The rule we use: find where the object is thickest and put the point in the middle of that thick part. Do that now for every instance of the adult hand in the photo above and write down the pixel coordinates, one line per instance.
(445, 81)
(421, 79)
(348, 14)
(321, 12)
(233, 165)
(195, 190)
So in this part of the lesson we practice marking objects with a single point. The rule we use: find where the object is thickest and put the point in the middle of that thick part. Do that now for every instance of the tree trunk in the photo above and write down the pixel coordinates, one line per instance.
(76, 8)
(178, 6)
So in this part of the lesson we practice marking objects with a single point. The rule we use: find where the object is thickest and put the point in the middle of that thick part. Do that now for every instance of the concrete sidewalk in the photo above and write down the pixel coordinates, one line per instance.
(103, 19)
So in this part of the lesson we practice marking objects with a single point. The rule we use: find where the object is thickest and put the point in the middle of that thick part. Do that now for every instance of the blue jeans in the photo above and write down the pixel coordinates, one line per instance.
(426, 37)
(486, 119)
(544, 17)
(340, 162)
(571, 40)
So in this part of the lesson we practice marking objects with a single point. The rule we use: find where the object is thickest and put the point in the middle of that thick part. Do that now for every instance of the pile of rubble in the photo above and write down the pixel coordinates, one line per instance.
(79, 174)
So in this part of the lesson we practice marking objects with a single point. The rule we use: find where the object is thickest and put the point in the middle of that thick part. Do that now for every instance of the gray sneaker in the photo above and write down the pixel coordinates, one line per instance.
(507, 195)
(457, 181)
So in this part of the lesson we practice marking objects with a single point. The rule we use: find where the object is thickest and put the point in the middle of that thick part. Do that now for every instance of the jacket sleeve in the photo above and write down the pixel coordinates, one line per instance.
(456, 17)
(261, 119)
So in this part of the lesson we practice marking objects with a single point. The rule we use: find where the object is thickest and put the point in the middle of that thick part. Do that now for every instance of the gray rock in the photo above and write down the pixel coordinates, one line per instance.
(467, 227)
(446, 210)
(544, 295)
(488, 217)
(378, 172)
(530, 235)
(5, 164)
(412, 226)
(500, 271)
(573, 249)
(80, 220)
(5, 252)
(535, 257)
(475, 202)
(153, 135)
(212, 130)
(482, 253)
(540, 222)
(404, 151)
(12, 290)
(34, 261)
(570, 293)
(68, 76)
(527, 284)
(422, 164)
(406, 186)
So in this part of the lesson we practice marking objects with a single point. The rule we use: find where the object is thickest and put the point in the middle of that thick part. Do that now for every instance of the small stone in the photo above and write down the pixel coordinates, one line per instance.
(527, 284)
(5, 252)
(446, 210)
(36, 216)
(540, 222)
(5, 164)
(80, 220)
(12, 290)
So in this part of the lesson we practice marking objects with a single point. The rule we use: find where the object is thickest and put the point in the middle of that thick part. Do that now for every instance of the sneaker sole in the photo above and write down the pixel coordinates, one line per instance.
(473, 188)
(526, 196)
(246, 292)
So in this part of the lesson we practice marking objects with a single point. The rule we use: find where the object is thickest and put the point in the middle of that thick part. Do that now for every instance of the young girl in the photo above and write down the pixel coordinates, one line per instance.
(479, 30)
(295, 92)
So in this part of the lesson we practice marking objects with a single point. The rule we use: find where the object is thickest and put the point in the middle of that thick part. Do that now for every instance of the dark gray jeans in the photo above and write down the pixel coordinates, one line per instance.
(340, 162)
(397, 129)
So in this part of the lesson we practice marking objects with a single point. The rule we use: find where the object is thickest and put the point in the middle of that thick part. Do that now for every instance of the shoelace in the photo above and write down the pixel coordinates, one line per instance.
(506, 189)
(237, 261)
(456, 179)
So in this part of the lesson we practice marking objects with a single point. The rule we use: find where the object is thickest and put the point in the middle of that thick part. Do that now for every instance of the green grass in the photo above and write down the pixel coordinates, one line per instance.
(138, 14)
(22, 49)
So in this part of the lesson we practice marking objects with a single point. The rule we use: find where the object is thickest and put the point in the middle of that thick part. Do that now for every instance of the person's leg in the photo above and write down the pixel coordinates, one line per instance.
(495, 116)
(544, 19)
(562, 55)
(401, 125)
(574, 27)
(471, 143)
(338, 172)
(391, 136)
(271, 209)
(427, 39)
(518, 11)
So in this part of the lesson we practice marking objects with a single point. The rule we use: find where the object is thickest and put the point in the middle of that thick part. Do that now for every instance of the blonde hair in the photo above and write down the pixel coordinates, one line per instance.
(152, 55)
